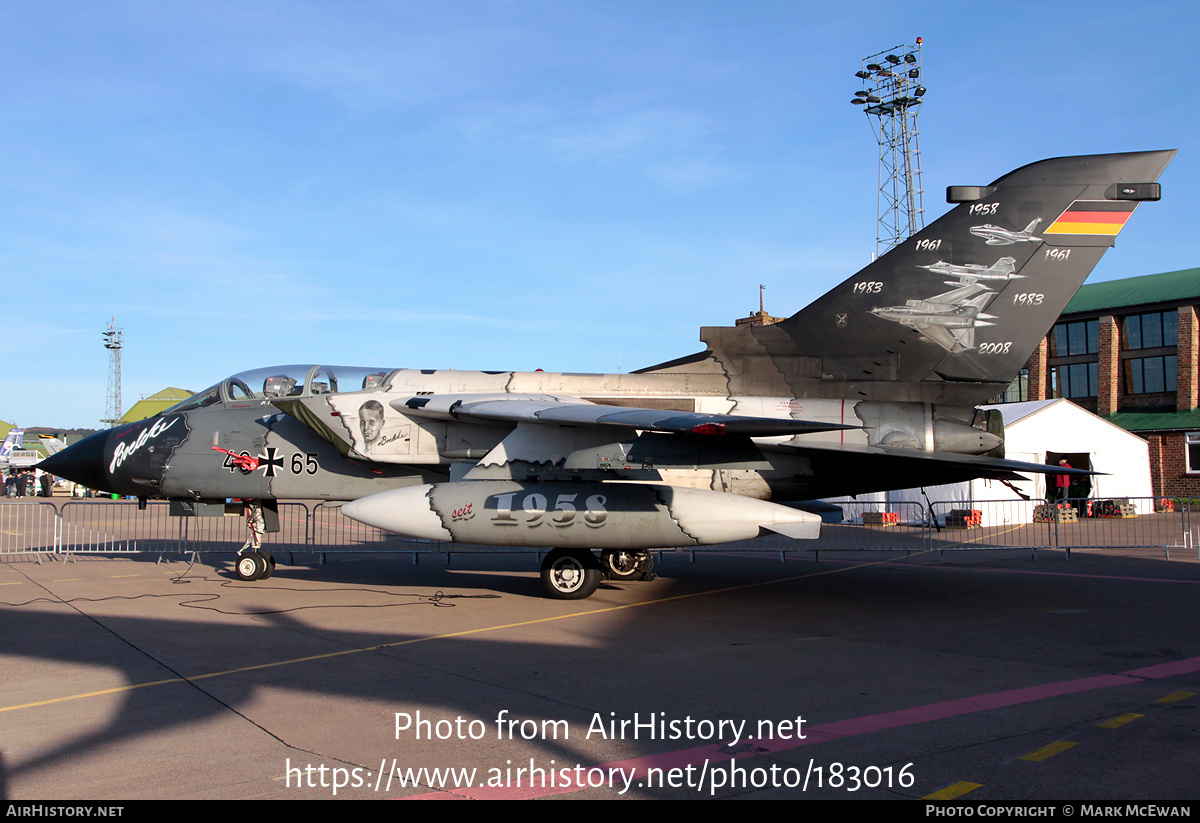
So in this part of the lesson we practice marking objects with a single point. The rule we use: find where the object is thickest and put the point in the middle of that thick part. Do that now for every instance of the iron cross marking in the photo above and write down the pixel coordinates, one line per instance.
(271, 462)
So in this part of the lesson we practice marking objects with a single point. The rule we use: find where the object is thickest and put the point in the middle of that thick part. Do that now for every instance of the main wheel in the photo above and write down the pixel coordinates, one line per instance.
(645, 565)
(251, 566)
(620, 565)
(570, 575)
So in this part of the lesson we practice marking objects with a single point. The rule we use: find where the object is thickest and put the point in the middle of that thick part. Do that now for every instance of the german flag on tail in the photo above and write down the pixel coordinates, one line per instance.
(1104, 217)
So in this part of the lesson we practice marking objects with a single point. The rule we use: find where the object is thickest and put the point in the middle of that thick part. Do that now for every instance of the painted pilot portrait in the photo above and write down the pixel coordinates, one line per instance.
(370, 422)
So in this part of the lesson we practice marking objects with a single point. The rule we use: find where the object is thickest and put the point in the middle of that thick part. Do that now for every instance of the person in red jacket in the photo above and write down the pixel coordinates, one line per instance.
(1062, 482)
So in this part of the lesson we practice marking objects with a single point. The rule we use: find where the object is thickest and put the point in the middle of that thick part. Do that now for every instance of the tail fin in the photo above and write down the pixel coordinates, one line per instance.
(52, 444)
(891, 332)
(14, 440)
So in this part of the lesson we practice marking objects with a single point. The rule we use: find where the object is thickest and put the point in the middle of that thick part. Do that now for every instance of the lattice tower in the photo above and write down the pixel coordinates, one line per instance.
(114, 340)
(891, 98)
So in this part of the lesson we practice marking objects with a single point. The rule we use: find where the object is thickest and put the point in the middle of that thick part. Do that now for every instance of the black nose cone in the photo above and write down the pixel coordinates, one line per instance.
(82, 463)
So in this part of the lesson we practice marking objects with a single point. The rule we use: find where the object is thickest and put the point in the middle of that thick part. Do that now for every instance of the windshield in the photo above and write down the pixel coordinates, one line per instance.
(287, 381)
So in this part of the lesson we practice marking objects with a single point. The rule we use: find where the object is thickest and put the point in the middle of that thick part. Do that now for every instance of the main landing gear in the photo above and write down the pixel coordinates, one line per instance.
(254, 565)
(573, 574)
(634, 565)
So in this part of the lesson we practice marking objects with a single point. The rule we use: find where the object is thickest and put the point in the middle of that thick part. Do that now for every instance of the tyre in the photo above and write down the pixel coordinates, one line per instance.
(621, 565)
(570, 575)
(250, 566)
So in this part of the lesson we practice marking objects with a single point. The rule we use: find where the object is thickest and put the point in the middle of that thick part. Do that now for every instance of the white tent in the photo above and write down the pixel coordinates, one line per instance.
(1035, 432)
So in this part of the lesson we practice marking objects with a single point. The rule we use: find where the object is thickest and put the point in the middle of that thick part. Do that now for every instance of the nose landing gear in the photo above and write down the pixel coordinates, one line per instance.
(254, 565)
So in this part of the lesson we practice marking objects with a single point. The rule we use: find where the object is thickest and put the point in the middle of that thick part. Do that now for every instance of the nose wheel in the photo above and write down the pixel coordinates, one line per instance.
(570, 574)
(254, 565)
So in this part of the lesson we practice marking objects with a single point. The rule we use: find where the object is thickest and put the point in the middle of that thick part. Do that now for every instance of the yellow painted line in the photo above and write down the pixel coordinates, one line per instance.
(1119, 720)
(412, 641)
(1045, 752)
(953, 790)
(1175, 697)
(94, 694)
(121, 576)
(67, 580)
(14, 583)
(978, 538)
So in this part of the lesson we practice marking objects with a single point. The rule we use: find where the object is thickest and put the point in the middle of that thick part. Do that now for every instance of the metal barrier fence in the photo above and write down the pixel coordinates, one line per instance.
(872, 527)
(1144, 522)
(120, 526)
(28, 527)
(116, 527)
(1068, 524)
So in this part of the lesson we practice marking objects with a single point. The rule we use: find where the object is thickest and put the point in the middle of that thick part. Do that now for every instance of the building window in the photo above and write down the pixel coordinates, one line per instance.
(1149, 331)
(1148, 375)
(1017, 391)
(1193, 452)
(1076, 338)
(1076, 380)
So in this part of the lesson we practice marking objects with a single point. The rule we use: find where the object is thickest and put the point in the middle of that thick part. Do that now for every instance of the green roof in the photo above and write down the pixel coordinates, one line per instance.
(1168, 287)
(1160, 420)
(171, 393)
(155, 403)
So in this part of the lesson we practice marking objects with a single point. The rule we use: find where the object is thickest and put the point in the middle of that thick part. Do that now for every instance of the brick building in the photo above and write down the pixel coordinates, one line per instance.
(1127, 351)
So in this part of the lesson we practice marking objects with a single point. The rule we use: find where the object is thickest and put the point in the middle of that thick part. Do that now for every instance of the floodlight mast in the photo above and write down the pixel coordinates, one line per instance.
(891, 98)
(114, 341)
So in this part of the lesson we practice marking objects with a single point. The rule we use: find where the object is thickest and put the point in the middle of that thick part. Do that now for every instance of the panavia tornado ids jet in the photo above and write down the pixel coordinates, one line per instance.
(948, 319)
(843, 397)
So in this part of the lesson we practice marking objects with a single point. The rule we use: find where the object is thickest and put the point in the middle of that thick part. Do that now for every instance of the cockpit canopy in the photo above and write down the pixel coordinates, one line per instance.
(288, 381)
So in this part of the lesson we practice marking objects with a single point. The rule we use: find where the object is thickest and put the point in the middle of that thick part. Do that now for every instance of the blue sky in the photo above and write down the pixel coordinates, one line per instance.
(509, 185)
